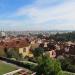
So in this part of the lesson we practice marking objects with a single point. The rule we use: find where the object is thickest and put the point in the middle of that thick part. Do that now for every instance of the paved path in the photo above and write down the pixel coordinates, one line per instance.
(13, 72)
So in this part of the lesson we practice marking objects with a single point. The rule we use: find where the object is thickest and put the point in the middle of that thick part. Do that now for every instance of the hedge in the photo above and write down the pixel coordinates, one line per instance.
(26, 64)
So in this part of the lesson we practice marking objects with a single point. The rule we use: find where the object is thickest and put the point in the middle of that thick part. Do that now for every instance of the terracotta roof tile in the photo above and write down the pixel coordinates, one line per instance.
(15, 42)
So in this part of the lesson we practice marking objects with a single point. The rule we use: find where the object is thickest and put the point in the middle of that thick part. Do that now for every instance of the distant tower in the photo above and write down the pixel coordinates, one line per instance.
(2, 33)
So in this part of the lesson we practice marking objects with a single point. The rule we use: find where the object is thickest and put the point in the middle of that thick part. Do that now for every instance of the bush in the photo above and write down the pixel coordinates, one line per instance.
(67, 66)
(65, 73)
(71, 68)
(64, 64)
(57, 66)
(38, 52)
(30, 65)
(25, 64)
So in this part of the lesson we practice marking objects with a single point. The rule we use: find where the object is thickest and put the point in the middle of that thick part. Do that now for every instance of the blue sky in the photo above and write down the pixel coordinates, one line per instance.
(37, 14)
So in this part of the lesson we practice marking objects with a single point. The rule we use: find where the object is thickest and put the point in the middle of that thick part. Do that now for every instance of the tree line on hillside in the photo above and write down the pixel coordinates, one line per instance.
(70, 36)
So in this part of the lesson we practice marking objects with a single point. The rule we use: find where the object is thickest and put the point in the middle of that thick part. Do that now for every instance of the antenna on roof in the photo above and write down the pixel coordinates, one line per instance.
(1, 29)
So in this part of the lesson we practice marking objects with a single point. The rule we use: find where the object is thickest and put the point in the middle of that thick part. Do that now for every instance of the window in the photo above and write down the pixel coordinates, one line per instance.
(24, 50)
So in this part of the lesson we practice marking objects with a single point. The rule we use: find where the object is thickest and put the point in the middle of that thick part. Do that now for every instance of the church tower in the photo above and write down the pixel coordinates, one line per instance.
(2, 33)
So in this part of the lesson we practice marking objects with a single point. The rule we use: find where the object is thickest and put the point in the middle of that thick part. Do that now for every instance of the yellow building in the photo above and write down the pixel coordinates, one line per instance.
(25, 51)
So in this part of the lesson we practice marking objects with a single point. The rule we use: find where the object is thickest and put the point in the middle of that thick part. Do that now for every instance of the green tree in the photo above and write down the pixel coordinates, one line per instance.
(13, 53)
(47, 66)
(38, 52)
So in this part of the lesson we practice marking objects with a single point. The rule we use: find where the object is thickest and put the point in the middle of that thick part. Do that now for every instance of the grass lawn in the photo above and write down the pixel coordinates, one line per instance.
(5, 68)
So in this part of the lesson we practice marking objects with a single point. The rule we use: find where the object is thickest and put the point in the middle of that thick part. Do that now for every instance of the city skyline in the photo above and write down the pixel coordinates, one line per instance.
(37, 15)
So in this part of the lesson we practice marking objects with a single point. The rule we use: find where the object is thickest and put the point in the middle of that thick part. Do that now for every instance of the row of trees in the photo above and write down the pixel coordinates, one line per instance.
(70, 36)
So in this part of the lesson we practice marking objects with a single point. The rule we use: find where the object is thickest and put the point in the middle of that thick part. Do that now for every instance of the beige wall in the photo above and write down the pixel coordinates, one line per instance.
(25, 52)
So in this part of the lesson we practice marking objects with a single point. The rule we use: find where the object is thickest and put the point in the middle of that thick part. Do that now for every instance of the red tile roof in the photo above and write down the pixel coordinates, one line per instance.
(15, 42)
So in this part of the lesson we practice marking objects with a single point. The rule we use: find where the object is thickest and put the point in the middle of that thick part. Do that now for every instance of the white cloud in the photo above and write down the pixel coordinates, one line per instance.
(40, 14)
(63, 11)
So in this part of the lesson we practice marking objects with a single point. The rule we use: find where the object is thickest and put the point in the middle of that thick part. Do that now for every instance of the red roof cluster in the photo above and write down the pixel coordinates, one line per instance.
(14, 42)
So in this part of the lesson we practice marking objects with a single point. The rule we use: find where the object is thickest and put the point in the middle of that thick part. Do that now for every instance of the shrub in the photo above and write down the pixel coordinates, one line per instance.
(67, 66)
(65, 73)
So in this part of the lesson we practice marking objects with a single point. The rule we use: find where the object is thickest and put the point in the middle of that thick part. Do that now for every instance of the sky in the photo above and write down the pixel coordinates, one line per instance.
(36, 15)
